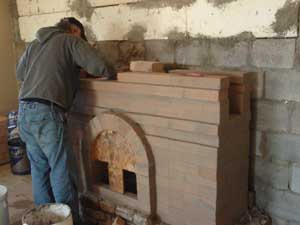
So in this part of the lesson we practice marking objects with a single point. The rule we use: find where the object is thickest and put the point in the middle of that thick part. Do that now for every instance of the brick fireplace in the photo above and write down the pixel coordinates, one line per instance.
(165, 145)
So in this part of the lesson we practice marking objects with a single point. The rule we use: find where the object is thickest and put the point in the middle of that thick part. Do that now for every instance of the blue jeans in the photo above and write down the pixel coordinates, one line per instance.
(43, 129)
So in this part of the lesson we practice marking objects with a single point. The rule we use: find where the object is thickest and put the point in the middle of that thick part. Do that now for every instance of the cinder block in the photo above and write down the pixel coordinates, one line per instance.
(110, 50)
(130, 51)
(27, 7)
(283, 85)
(257, 81)
(295, 178)
(272, 173)
(161, 50)
(30, 24)
(294, 223)
(271, 116)
(295, 120)
(283, 147)
(235, 55)
(192, 52)
(297, 58)
(279, 221)
(282, 204)
(273, 53)
(257, 149)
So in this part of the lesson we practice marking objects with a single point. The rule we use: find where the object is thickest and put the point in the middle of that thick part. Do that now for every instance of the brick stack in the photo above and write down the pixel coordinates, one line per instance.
(4, 156)
(97, 211)
(197, 124)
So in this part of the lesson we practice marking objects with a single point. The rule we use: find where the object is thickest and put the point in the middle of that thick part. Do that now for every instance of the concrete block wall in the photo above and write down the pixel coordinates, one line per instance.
(260, 36)
(275, 110)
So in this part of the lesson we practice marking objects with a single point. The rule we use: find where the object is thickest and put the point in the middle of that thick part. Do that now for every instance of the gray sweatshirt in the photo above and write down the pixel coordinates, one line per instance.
(49, 68)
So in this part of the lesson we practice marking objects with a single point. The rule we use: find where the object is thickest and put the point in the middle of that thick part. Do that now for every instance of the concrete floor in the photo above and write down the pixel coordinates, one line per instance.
(19, 193)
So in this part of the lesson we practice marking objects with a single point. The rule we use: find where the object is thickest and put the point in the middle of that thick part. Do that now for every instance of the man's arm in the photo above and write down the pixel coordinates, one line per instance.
(21, 67)
(91, 61)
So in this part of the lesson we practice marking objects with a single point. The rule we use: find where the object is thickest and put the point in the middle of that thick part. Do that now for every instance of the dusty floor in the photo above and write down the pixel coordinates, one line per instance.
(19, 193)
(20, 199)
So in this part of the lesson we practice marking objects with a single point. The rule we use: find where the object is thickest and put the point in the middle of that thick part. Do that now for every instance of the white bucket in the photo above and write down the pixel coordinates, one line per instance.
(49, 214)
(4, 218)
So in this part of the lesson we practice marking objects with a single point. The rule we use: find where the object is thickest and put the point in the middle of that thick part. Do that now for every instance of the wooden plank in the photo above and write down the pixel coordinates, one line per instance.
(146, 66)
(154, 90)
(161, 122)
(206, 82)
(209, 112)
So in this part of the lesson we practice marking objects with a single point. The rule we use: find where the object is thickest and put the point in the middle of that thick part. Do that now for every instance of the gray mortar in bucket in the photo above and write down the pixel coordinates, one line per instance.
(49, 214)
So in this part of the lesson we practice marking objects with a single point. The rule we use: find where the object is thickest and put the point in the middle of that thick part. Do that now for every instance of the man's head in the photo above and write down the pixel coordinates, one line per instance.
(72, 26)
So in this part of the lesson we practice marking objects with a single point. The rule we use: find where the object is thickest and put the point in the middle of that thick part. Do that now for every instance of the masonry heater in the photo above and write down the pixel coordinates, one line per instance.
(169, 146)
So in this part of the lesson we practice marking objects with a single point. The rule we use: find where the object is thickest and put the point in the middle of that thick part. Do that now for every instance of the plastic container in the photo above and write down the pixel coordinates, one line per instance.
(4, 217)
(49, 214)
(12, 126)
(19, 162)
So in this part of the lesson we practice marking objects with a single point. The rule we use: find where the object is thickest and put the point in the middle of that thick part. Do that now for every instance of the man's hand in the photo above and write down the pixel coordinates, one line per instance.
(102, 78)
(83, 74)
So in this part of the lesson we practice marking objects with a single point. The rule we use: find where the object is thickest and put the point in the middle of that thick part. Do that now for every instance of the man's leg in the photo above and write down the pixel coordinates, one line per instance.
(40, 169)
(54, 142)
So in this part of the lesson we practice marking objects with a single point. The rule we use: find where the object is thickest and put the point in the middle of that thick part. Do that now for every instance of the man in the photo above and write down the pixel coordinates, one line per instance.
(49, 75)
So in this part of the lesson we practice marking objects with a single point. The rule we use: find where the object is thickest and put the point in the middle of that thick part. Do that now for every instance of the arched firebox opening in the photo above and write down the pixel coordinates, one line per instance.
(121, 164)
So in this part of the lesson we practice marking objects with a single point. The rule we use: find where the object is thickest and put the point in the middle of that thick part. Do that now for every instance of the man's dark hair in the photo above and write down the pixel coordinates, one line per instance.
(65, 24)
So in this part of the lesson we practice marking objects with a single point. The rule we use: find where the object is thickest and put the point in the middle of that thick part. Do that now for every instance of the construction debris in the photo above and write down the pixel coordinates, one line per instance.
(255, 217)
(119, 221)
